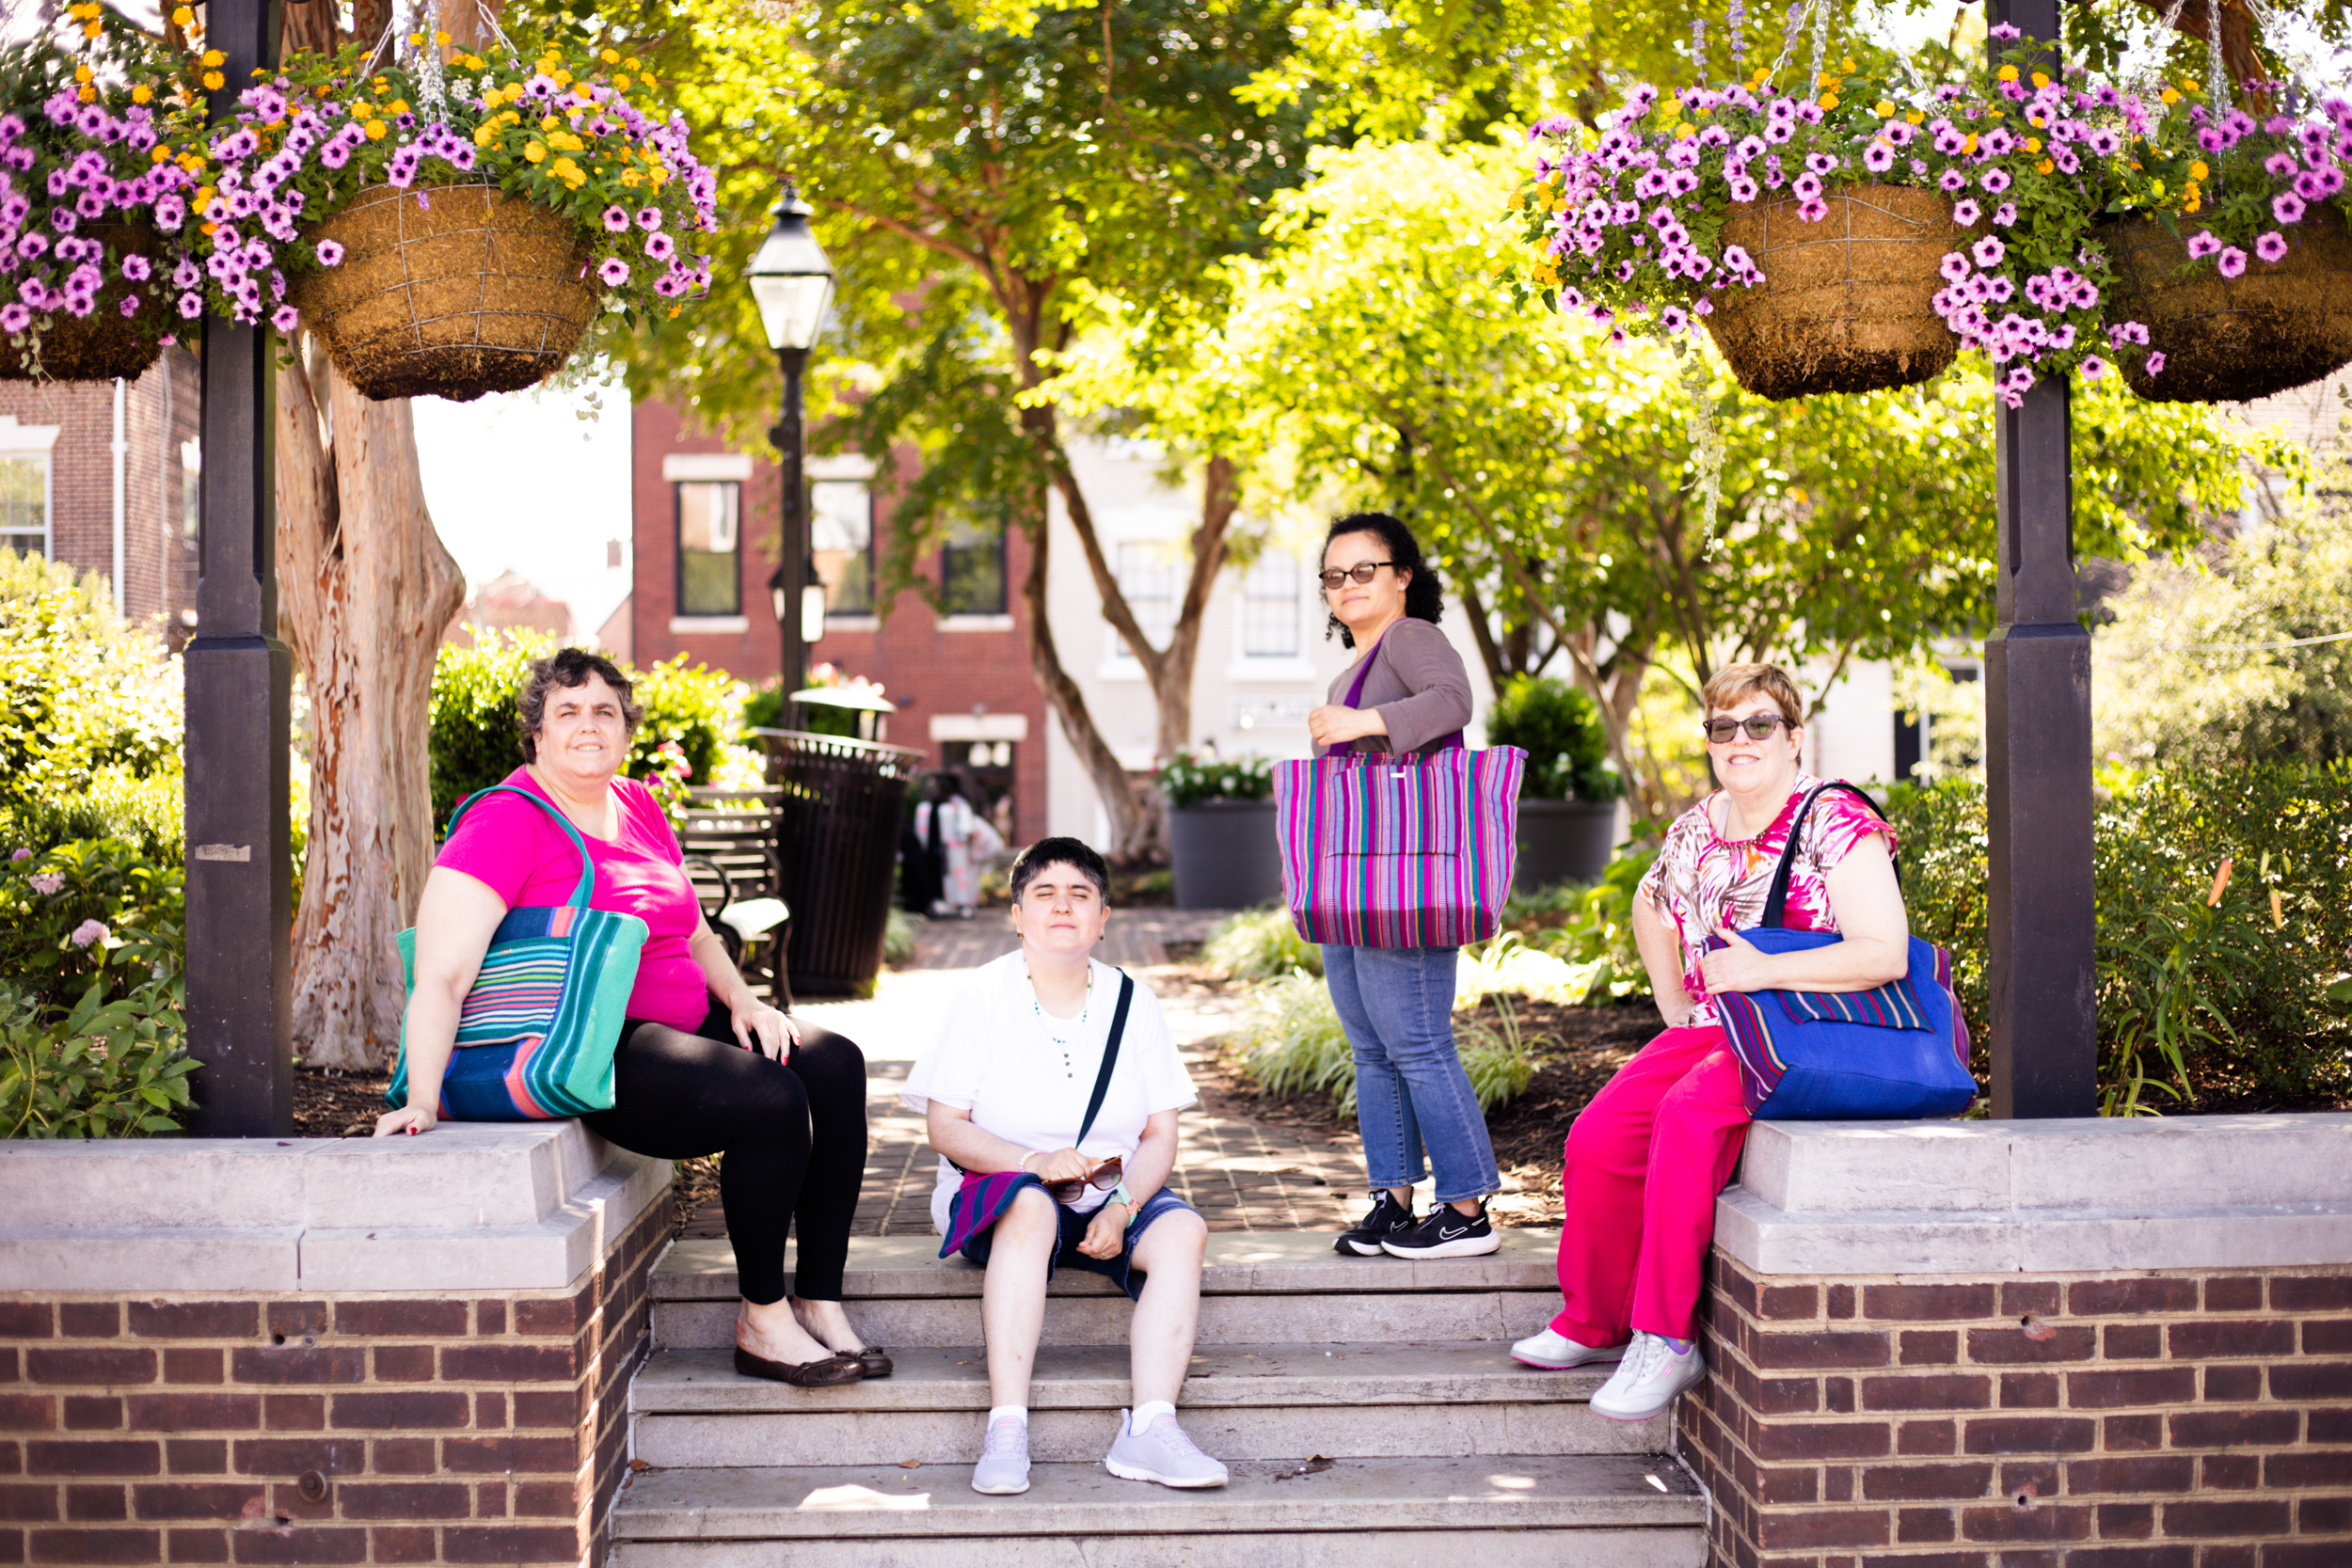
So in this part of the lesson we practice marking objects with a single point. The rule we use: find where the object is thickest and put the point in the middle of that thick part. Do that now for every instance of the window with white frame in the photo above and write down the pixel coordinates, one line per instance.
(1270, 594)
(1147, 576)
(841, 535)
(709, 515)
(24, 502)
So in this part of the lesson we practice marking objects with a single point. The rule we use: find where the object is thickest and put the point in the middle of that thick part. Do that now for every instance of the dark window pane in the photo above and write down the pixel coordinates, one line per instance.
(709, 517)
(972, 571)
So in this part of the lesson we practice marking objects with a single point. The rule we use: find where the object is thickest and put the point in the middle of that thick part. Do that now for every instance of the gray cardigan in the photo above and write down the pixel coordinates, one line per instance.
(1418, 684)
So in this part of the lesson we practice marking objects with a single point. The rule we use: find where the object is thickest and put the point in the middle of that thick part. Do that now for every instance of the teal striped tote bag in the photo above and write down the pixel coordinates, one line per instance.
(536, 1036)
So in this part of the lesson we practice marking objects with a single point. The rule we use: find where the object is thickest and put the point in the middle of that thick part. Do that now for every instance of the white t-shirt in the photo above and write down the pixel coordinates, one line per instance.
(994, 1059)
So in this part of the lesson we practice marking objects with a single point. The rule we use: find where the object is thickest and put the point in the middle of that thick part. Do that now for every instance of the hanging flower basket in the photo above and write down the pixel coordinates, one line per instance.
(102, 343)
(452, 291)
(1846, 301)
(2229, 334)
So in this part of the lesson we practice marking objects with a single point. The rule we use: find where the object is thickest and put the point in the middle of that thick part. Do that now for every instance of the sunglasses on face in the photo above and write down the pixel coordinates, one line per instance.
(1361, 573)
(1102, 1176)
(1758, 726)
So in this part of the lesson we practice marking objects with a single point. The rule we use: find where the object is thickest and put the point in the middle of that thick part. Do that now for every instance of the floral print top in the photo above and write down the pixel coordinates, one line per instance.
(1706, 885)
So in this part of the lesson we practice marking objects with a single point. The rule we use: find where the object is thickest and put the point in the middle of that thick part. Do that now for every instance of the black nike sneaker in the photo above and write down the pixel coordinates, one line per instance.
(1444, 1233)
(1386, 1218)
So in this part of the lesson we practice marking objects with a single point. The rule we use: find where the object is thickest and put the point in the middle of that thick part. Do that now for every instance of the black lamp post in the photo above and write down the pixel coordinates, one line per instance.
(792, 281)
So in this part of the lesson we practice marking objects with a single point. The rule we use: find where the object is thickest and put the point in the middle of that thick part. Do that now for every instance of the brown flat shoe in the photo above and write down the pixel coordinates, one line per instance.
(874, 1360)
(831, 1372)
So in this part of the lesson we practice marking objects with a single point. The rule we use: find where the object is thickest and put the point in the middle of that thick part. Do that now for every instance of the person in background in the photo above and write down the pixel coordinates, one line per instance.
(1645, 1159)
(1003, 1090)
(1397, 1003)
(959, 841)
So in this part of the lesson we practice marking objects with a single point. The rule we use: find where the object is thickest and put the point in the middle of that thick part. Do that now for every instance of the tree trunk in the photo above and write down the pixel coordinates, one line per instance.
(2241, 59)
(365, 589)
(1172, 686)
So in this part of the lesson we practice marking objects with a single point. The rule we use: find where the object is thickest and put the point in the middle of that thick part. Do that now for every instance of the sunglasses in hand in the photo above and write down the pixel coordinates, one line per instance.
(1102, 1176)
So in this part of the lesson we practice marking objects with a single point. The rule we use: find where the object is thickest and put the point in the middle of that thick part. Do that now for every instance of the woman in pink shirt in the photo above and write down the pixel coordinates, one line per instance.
(702, 1066)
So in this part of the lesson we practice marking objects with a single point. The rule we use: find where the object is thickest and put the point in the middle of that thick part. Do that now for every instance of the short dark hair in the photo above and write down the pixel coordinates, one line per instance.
(1425, 596)
(569, 667)
(1060, 851)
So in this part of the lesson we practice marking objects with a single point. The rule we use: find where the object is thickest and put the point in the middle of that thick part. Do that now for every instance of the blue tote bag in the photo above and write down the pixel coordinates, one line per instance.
(535, 1035)
(1894, 1054)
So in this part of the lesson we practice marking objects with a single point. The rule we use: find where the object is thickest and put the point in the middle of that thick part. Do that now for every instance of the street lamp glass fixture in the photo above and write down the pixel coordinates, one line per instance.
(791, 277)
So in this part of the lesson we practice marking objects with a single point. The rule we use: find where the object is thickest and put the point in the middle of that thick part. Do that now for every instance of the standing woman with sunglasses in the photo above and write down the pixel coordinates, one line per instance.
(1397, 1003)
(1645, 1159)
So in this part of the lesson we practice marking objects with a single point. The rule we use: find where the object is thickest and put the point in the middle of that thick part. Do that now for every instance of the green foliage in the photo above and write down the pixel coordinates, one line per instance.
(1289, 1041)
(1260, 944)
(2232, 996)
(2173, 682)
(65, 905)
(80, 690)
(1185, 780)
(1559, 730)
(477, 718)
(110, 1068)
(1499, 1058)
(898, 937)
(1593, 924)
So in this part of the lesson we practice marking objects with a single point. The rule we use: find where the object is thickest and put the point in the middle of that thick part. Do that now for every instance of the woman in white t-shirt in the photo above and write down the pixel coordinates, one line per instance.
(1005, 1089)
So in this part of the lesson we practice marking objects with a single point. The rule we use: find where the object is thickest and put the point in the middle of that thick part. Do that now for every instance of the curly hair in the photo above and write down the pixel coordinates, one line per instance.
(1424, 595)
(570, 668)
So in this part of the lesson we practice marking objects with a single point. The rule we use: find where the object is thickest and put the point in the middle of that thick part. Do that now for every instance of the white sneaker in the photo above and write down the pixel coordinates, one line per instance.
(1557, 1353)
(1004, 1467)
(1164, 1454)
(1647, 1380)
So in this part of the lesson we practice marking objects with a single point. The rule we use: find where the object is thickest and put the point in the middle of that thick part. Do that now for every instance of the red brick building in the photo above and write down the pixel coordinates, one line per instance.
(705, 530)
(88, 471)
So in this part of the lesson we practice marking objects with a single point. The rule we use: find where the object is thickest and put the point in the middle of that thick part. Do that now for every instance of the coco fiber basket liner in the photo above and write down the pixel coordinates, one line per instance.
(448, 292)
(1847, 304)
(103, 345)
(2226, 340)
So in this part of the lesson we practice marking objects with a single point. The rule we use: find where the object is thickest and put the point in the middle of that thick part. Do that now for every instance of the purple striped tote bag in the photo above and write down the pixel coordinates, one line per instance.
(1382, 851)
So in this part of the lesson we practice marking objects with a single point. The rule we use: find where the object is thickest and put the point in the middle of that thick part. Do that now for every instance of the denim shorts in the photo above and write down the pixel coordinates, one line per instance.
(1120, 1271)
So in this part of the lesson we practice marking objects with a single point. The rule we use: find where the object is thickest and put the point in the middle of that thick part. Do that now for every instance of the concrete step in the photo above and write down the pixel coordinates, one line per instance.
(689, 1408)
(1256, 1289)
(1510, 1511)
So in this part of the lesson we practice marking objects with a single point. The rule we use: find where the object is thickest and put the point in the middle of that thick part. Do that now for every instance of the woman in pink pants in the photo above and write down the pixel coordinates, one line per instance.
(1647, 1156)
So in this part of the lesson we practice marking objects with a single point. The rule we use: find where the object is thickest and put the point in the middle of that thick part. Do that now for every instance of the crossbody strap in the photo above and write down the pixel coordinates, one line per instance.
(1110, 1056)
(1776, 905)
(587, 886)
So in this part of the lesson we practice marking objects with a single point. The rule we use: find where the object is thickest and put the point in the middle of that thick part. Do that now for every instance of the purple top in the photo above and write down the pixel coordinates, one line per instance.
(519, 853)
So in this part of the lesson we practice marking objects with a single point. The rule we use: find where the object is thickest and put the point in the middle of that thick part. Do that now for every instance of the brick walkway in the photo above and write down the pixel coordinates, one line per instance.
(1240, 1172)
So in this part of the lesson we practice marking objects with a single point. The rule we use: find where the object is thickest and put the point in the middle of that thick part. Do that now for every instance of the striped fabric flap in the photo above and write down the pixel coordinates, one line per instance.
(1382, 853)
(1887, 1006)
(1393, 810)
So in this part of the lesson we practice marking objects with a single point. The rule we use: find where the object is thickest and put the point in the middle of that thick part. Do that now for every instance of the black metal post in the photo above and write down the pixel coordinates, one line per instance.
(240, 886)
(2043, 965)
(793, 530)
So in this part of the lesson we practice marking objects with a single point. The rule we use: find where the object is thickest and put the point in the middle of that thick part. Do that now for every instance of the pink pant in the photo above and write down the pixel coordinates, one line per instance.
(1644, 1161)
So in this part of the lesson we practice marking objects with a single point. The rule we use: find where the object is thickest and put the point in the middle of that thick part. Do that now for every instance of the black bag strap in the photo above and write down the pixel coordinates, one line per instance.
(1776, 906)
(1110, 1056)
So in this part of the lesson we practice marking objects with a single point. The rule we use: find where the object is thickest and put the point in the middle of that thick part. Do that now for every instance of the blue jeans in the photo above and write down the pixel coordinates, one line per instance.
(1397, 1007)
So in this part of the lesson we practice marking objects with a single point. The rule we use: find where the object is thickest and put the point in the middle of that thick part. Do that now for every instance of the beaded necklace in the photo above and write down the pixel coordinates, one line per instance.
(1078, 1028)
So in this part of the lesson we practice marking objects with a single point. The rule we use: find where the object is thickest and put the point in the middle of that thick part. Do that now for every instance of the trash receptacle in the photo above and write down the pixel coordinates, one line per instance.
(838, 809)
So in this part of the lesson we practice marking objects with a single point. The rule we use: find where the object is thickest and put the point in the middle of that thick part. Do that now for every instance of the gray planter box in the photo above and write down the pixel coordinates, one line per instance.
(1564, 841)
(1225, 854)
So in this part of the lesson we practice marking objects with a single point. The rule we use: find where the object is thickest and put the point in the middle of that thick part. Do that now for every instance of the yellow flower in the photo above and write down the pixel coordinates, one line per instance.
(1829, 100)
(2198, 170)
(564, 141)
(209, 229)
(2032, 144)
(213, 59)
(1916, 116)
(88, 95)
(548, 123)
(2169, 96)
(397, 106)
(2192, 205)
(381, 86)
(620, 81)
(142, 94)
(91, 30)
(214, 81)
(1883, 107)
(674, 309)
(203, 199)
(631, 177)
(2040, 78)
(563, 78)
(182, 17)
(441, 38)
(483, 137)
(1846, 64)
(472, 62)
(1826, 80)
(611, 56)
(583, 91)
(415, 40)
(376, 129)
(535, 152)
(2044, 166)
(1970, 145)
(631, 62)
(159, 155)
(82, 75)
(2007, 73)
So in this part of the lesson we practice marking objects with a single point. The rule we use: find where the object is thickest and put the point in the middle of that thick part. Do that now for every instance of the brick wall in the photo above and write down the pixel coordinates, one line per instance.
(350, 1429)
(2175, 1421)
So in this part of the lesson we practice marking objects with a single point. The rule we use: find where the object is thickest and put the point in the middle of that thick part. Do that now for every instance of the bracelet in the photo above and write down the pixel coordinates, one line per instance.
(1122, 1196)
(1024, 1166)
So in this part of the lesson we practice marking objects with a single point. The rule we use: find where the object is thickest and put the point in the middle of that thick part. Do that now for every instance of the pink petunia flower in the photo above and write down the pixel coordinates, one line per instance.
(330, 254)
(2202, 243)
(649, 218)
(1988, 251)
(615, 272)
(2232, 262)
(2156, 362)
(2271, 246)
(2287, 207)
(615, 218)
(2093, 367)
(285, 319)
(1965, 214)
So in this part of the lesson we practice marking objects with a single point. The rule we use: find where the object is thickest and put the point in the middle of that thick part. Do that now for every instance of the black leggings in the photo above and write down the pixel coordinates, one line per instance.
(791, 1139)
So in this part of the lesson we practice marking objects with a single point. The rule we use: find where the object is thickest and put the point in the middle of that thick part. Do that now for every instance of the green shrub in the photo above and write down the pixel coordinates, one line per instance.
(1559, 730)
(59, 892)
(477, 717)
(1595, 924)
(2241, 997)
(1289, 1041)
(109, 1069)
(1186, 779)
(80, 688)
(1260, 944)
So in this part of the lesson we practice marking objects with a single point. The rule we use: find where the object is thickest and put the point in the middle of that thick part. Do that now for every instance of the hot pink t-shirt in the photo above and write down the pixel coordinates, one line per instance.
(517, 851)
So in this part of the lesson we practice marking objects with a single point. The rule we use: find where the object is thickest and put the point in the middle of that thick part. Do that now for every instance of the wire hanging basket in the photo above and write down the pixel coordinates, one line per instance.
(2280, 325)
(106, 343)
(1847, 302)
(451, 292)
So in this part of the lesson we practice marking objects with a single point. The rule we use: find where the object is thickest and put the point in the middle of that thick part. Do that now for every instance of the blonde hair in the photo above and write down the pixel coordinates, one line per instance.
(1735, 683)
